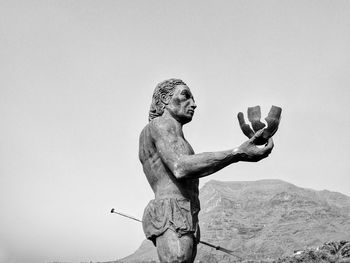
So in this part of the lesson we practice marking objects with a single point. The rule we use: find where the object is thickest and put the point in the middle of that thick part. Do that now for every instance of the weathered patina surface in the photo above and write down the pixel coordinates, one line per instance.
(173, 171)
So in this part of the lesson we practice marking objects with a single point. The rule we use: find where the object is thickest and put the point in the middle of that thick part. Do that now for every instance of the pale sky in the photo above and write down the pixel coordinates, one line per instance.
(76, 80)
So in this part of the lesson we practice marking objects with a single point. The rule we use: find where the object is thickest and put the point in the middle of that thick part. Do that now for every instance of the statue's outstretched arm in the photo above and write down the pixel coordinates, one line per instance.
(182, 165)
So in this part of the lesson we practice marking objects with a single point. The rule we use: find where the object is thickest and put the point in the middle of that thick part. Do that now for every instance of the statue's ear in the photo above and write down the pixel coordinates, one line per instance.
(165, 99)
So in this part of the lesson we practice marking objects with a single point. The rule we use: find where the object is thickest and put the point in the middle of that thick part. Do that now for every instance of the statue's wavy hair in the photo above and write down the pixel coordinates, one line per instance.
(163, 91)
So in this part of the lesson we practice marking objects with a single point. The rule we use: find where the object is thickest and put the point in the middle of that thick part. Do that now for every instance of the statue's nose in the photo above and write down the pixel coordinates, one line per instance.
(193, 105)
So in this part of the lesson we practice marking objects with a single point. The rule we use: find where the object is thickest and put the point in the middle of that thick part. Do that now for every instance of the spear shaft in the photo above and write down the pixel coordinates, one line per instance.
(125, 215)
(202, 242)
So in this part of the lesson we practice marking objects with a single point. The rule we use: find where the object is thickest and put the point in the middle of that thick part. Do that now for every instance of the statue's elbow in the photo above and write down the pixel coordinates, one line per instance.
(179, 174)
(179, 171)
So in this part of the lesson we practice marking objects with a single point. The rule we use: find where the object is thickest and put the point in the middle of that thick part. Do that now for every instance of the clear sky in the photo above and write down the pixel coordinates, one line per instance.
(76, 80)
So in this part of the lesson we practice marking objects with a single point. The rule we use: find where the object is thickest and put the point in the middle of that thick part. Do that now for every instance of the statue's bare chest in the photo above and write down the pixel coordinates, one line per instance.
(182, 146)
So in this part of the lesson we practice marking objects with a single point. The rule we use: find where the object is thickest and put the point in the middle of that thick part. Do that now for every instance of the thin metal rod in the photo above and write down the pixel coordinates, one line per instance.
(203, 242)
(127, 216)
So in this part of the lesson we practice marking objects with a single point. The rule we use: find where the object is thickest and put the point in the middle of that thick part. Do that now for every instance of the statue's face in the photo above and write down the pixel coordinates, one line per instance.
(181, 105)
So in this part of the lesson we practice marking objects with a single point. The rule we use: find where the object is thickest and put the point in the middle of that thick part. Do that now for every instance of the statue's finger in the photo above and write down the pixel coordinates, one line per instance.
(267, 149)
(270, 144)
(257, 137)
(245, 127)
(247, 130)
(240, 117)
(275, 112)
(254, 115)
(273, 120)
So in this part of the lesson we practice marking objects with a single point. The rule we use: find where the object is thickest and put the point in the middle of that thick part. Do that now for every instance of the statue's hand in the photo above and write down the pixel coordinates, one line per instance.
(254, 115)
(250, 152)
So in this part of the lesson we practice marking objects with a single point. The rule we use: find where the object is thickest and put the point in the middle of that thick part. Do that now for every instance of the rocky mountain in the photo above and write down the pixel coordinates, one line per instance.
(262, 221)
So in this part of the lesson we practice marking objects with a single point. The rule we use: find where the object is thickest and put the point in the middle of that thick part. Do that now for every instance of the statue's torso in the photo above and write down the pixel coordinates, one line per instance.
(161, 179)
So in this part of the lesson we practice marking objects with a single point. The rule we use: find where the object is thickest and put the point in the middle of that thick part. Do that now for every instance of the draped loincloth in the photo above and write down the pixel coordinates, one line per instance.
(177, 215)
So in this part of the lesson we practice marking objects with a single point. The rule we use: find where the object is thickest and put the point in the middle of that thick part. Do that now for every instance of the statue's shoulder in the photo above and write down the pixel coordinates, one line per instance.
(159, 126)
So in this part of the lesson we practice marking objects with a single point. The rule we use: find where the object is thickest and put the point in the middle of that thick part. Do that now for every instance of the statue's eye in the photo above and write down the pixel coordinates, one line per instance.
(186, 94)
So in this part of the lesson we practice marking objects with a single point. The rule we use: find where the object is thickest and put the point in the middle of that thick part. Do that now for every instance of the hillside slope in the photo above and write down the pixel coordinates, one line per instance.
(263, 220)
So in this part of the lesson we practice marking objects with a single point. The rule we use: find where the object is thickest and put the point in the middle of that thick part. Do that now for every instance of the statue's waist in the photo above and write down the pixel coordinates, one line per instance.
(192, 205)
(194, 201)
(175, 194)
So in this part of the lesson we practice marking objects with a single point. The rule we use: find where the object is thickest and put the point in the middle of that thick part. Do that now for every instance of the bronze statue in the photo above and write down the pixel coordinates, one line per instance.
(173, 170)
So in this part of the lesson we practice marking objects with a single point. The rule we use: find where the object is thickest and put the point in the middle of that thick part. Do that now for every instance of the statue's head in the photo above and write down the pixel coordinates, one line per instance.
(162, 94)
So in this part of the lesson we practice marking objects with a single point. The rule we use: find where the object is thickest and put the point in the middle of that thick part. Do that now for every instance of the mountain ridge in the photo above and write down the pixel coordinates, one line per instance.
(263, 220)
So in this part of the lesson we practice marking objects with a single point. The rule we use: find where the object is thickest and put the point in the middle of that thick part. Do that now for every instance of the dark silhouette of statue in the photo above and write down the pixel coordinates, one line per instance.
(173, 170)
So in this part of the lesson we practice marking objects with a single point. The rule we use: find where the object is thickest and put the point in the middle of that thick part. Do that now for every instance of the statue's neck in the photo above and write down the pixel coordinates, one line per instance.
(178, 125)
